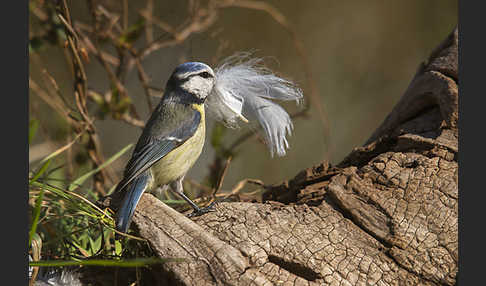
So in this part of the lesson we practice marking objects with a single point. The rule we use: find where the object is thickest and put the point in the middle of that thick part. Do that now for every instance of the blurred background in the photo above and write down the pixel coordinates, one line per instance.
(353, 60)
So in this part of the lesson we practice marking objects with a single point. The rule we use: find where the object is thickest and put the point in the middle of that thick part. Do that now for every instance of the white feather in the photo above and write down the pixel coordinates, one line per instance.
(244, 89)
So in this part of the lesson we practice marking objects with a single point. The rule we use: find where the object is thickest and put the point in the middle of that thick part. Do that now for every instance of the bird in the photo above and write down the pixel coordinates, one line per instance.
(171, 140)
(240, 89)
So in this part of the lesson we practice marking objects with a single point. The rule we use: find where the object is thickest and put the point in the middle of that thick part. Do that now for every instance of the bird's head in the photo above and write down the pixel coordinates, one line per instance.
(193, 78)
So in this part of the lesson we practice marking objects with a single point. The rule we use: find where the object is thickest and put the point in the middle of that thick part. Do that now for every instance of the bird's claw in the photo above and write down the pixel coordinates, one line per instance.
(202, 211)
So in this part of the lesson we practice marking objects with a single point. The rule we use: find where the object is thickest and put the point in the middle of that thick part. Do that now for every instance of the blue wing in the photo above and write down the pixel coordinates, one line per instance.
(154, 143)
(135, 191)
(157, 140)
(145, 158)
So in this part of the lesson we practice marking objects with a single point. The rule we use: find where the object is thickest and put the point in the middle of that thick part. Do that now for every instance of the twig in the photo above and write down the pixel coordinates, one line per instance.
(54, 104)
(63, 148)
(132, 121)
(125, 15)
(239, 186)
(221, 178)
(56, 88)
(158, 89)
(200, 22)
(68, 26)
(142, 76)
(111, 75)
(149, 31)
(161, 24)
(69, 160)
(90, 46)
(80, 93)
(114, 23)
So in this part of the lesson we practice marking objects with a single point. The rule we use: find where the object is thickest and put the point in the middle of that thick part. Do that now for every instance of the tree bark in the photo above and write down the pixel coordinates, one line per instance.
(386, 215)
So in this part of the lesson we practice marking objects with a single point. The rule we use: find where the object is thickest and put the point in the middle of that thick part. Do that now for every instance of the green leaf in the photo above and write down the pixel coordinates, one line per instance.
(133, 32)
(118, 248)
(80, 248)
(35, 45)
(111, 189)
(106, 234)
(33, 126)
(97, 98)
(122, 105)
(79, 181)
(60, 32)
(95, 245)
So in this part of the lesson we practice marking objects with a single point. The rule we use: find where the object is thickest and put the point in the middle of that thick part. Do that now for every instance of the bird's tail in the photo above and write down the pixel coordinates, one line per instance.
(133, 194)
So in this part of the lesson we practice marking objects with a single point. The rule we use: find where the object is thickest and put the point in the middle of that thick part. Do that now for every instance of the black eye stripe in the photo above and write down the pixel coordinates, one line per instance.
(205, 75)
(201, 74)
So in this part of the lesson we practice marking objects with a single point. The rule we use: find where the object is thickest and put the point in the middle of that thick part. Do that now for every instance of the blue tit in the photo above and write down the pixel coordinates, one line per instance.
(171, 141)
(173, 138)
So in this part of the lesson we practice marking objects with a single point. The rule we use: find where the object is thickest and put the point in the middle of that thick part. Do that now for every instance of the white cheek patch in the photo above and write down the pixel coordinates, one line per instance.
(201, 87)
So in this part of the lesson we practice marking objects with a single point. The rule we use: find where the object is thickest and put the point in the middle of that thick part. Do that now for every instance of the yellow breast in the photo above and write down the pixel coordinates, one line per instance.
(177, 162)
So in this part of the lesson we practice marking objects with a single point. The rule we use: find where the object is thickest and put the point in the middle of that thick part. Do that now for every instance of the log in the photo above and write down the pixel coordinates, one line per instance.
(386, 215)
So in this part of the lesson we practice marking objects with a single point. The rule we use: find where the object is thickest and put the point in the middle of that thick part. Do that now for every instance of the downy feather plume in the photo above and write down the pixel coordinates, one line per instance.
(243, 89)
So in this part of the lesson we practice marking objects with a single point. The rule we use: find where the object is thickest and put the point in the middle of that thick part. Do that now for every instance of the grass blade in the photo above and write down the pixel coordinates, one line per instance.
(41, 171)
(179, 202)
(35, 221)
(105, 262)
(33, 125)
(60, 150)
(79, 181)
(84, 205)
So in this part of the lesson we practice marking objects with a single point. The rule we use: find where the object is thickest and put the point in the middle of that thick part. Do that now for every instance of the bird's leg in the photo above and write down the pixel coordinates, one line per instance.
(176, 186)
(201, 211)
(159, 191)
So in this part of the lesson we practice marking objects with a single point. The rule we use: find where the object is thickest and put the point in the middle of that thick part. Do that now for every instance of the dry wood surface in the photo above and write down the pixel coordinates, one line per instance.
(386, 215)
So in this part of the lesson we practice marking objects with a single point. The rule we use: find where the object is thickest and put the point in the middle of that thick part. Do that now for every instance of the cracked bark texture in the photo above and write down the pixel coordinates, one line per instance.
(386, 215)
